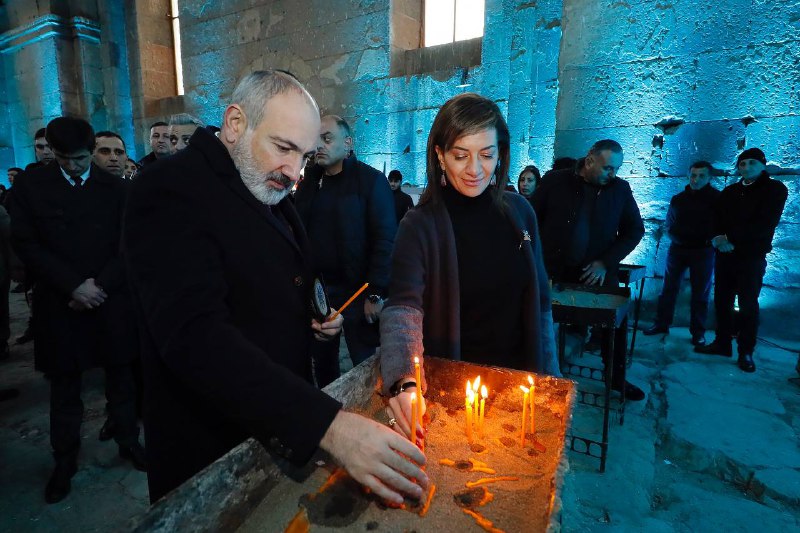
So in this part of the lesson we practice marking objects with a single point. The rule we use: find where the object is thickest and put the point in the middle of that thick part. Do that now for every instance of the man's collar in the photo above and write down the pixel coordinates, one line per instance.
(84, 176)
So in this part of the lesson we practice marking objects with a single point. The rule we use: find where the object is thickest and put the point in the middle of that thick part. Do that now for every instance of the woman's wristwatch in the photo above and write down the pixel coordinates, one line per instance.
(397, 388)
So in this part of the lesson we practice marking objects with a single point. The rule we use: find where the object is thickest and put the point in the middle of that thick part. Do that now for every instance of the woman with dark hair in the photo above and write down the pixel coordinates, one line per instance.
(528, 181)
(468, 282)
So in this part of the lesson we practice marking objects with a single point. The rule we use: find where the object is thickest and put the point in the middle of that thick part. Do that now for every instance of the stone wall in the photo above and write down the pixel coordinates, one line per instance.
(351, 56)
(679, 80)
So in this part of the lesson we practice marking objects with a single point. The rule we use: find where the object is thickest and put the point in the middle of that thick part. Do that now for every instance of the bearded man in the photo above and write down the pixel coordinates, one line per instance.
(219, 263)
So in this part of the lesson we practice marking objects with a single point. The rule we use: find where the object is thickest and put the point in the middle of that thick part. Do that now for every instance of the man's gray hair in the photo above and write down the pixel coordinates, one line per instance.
(253, 91)
(185, 119)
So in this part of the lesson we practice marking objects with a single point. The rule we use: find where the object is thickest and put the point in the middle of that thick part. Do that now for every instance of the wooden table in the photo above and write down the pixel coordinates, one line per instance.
(604, 307)
(248, 490)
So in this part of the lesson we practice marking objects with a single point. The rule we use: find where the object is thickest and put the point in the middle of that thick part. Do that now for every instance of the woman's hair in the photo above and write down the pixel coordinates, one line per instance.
(465, 114)
(532, 169)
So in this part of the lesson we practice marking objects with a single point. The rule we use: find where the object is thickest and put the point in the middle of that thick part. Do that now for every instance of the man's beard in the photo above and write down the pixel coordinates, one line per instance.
(254, 179)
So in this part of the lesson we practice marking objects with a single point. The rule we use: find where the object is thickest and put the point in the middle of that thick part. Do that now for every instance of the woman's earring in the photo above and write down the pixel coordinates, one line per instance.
(444, 179)
(493, 181)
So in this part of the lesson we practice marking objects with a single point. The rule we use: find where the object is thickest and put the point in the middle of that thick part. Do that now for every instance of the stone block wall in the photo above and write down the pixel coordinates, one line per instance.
(679, 80)
(351, 54)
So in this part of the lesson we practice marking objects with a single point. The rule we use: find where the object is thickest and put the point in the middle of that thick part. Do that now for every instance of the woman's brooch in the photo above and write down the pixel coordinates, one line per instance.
(525, 237)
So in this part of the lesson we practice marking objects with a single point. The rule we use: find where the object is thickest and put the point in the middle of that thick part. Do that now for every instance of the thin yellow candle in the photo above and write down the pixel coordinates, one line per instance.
(524, 414)
(476, 385)
(468, 406)
(413, 421)
(418, 376)
(484, 394)
(533, 393)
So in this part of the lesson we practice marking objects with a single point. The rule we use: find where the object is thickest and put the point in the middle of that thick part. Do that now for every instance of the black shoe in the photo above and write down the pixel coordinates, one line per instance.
(134, 454)
(60, 482)
(699, 339)
(108, 430)
(7, 394)
(632, 392)
(715, 348)
(746, 362)
(655, 329)
(25, 337)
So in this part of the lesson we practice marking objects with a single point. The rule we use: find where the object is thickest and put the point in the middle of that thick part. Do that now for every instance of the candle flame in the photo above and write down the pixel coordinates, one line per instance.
(530, 380)
(476, 384)
(524, 389)
(469, 387)
(471, 397)
(413, 399)
(484, 392)
(416, 360)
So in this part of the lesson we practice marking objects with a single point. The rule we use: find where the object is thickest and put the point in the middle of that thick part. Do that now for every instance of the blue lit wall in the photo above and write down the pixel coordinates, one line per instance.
(679, 81)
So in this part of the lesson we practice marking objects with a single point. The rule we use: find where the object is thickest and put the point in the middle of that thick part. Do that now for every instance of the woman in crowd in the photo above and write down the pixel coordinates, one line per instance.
(468, 282)
(528, 181)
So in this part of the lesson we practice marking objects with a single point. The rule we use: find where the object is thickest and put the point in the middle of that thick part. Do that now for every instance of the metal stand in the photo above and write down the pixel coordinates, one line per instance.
(608, 312)
(635, 274)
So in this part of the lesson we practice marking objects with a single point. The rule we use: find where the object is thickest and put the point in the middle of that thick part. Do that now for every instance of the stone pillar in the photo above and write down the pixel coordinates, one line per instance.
(43, 62)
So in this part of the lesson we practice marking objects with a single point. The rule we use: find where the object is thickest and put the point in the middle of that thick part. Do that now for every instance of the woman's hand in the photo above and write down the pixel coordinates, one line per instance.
(400, 409)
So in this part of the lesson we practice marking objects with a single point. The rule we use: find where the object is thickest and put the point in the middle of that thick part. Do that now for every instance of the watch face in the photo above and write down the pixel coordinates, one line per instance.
(319, 300)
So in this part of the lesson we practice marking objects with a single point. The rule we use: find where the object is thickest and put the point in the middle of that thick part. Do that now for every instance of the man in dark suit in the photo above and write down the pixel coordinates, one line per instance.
(159, 144)
(589, 222)
(219, 263)
(65, 226)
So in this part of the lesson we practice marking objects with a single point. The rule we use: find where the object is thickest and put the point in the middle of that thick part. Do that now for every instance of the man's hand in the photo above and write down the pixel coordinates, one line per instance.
(376, 456)
(327, 330)
(89, 295)
(400, 409)
(721, 243)
(594, 273)
(371, 310)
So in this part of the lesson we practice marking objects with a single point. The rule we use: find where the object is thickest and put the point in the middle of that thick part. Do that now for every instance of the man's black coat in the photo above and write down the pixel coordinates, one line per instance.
(365, 222)
(64, 235)
(222, 294)
(615, 227)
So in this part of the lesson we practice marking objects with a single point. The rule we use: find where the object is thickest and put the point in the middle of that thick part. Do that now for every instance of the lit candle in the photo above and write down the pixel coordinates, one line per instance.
(484, 394)
(533, 393)
(468, 405)
(524, 414)
(476, 385)
(413, 421)
(418, 375)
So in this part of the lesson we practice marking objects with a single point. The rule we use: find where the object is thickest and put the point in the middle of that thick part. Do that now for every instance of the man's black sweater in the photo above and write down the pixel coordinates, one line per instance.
(690, 218)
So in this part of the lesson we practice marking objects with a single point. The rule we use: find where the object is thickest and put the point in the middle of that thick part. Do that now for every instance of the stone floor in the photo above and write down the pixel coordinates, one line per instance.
(710, 449)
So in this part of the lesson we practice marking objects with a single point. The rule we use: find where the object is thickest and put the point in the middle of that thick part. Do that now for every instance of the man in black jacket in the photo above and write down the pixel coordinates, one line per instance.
(402, 201)
(219, 262)
(348, 211)
(65, 225)
(746, 217)
(690, 226)
(589, 222)
(159, 144)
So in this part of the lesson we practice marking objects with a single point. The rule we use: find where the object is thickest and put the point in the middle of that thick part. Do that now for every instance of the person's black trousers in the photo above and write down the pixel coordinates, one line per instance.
(66, 410)
(740, 276)
(700, 263)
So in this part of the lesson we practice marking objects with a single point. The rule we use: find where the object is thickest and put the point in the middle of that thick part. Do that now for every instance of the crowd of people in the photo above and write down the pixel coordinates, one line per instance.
(209, 274)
